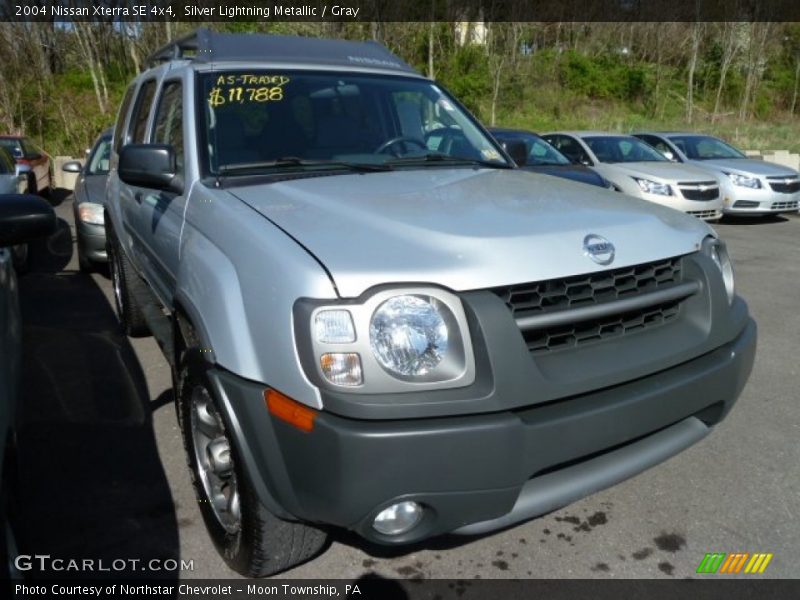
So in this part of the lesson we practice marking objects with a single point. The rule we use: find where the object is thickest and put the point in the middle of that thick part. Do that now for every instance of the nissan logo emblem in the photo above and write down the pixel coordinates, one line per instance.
(599, 249)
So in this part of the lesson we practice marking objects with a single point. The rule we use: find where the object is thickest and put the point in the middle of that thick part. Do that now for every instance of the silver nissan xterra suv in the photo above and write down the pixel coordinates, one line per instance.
(376, 322)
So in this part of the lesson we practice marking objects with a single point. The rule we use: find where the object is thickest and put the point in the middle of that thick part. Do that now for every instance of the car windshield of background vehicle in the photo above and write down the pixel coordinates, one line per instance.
(616, 149)
(99, 161)
(705, 148)
(12, 146)
(266, 121)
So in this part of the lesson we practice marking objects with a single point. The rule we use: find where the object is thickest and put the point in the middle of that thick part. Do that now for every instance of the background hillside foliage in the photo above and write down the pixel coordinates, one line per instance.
(61, 84)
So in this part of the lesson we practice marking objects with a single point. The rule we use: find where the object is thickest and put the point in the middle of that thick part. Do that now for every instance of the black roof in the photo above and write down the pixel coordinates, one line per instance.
(207, 46)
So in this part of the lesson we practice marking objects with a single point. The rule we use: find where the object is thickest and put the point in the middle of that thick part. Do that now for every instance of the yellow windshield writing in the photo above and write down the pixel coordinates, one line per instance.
(245, 88)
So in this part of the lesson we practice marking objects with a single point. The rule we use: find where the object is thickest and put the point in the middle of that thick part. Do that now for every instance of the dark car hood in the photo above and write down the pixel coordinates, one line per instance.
(574, 172)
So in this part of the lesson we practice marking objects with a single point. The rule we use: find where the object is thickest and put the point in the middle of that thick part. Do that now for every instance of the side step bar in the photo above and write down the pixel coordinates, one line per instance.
(160, 325)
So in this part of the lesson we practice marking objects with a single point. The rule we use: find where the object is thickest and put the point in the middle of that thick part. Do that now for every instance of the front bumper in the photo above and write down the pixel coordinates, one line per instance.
(479, 473)
(761, 201)
(92, 241)
(707, 210)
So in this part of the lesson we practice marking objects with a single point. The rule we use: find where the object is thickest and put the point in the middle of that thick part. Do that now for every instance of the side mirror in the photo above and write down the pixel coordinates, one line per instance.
(517, 150)
(670, 156)
(24, 217)
(72, 166)
(150, 166)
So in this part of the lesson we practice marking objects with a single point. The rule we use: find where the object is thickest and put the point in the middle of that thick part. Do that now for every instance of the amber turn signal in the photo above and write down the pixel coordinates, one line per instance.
(290, 411)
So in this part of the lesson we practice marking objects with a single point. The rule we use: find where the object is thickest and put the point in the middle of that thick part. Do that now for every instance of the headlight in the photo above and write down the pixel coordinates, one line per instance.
(744, 180)
(89, 212)
(716, 250)
(654, 187)
(408, 335)
(414, 338)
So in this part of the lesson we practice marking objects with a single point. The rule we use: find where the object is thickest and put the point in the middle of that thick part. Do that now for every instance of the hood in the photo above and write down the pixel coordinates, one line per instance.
(747, 166)
(463, 228)
(668, 171)
(577, 173)
(94, 189)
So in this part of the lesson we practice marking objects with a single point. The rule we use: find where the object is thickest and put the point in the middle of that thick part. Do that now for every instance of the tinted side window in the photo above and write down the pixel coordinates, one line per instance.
(123, 114)
(656, 143)
(168, 125)
(569, 148)
(144, 100)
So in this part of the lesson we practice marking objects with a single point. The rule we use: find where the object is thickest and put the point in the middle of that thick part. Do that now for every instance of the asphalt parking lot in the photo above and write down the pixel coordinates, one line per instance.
(103, 473)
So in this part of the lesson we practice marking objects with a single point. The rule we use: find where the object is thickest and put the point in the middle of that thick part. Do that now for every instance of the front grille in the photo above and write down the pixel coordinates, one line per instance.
(784, 184)
(699, 190)
(705, 214)
(789, 205)
(601, 329)
(558, 297)
(746, 204)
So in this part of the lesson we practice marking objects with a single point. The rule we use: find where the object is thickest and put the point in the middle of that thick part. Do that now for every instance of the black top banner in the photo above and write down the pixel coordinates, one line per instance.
(400, 10)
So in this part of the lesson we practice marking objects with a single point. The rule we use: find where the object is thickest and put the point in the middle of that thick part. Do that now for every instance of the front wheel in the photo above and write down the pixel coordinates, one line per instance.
(127, 288)
(251, 540)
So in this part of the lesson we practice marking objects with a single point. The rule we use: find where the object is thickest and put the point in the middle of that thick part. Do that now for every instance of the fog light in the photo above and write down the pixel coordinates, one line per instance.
(398, 518)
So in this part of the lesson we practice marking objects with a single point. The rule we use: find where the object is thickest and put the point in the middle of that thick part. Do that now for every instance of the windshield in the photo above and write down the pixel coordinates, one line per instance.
(98, 161)
(12, 146)
(255, 120)
(701, 147)
(620, 148)
(539, 151)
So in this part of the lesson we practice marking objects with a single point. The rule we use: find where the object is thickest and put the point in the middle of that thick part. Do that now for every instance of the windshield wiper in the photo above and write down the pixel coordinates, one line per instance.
(293, 161)
(436, 157)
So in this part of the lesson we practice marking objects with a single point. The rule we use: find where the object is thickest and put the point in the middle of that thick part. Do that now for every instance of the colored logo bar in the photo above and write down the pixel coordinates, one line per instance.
(734, 563)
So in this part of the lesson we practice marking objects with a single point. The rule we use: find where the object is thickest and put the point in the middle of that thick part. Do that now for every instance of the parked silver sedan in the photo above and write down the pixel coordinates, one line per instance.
(749, 186)
(640, 171)
(90, 190)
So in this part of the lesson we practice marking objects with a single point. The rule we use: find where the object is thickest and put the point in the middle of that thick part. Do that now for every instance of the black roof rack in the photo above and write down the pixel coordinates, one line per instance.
(207, 46)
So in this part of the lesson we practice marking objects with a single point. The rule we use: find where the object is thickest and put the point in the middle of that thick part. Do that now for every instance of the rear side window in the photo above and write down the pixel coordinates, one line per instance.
(141, 111)
(569, 148)
(168, 126)
(123, 114)
(656, 143)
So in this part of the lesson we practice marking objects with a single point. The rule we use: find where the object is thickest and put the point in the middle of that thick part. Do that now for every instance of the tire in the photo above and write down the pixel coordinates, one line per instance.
(251, 540)
(127, 287)
(32, 183)
(84, 264)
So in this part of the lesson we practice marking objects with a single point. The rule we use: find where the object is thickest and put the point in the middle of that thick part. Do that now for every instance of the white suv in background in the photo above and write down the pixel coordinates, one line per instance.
(749, 186)
(637, 169)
